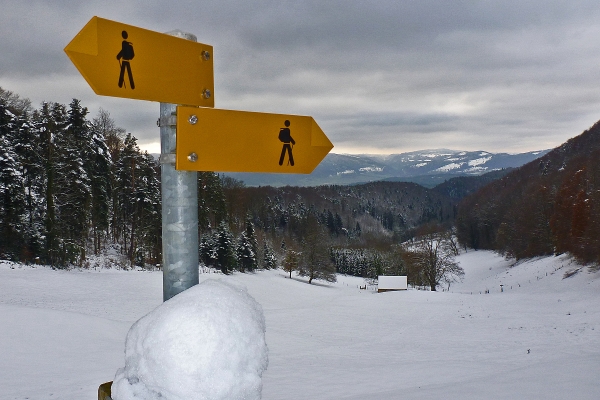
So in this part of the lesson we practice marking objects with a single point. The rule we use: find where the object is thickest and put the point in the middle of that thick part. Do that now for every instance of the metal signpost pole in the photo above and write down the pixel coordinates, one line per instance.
(179, 208)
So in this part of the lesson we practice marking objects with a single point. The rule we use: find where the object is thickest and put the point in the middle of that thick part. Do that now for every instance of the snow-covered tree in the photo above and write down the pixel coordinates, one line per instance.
(212, 208)
(226, 257)
(208, 249)
(245, 255)
(137, 200)
(269, 259)
(12, 193)
(73, 190)
(247, 250)
(99, 168)
(149, 209)
(28, 148)
(49, 123)
(113, 135)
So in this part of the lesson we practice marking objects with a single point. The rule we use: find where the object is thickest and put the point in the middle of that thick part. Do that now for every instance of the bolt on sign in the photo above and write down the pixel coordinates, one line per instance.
(240, 141)
(121, 60)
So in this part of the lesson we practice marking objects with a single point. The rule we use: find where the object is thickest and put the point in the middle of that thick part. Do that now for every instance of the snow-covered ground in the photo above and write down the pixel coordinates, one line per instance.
(62, 333)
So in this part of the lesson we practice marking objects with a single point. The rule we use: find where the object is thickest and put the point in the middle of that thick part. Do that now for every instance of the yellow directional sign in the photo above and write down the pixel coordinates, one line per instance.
(125, 61)
(239, 141)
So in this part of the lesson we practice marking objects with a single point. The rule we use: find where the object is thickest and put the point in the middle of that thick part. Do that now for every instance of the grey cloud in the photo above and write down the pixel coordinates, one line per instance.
(461, 74)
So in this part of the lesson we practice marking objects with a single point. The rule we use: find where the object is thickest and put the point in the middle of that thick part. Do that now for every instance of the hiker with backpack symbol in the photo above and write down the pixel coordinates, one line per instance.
(286, 138)
(126, 54)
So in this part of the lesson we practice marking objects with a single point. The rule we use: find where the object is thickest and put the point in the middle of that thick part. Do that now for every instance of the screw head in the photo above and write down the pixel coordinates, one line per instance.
(206, 93)
(192, 157)
(193, 119)
(205, 55)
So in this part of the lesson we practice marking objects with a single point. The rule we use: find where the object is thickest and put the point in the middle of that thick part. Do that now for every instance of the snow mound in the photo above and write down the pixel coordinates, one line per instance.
(207, 342)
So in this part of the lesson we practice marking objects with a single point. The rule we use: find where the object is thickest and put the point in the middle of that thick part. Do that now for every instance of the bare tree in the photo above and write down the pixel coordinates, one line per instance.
(113, 135)
(14, 102)
(432, 254)
(315, 262)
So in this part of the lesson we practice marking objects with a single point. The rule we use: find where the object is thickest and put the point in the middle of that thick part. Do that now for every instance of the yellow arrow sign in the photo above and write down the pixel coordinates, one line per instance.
(239, 141)
(125, 61)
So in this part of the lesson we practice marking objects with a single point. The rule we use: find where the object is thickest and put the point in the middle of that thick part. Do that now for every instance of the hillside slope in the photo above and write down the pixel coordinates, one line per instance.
(550, 205)
(63, 332)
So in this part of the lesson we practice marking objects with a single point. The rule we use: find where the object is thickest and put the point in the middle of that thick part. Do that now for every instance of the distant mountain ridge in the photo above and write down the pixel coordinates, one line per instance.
(426, 167)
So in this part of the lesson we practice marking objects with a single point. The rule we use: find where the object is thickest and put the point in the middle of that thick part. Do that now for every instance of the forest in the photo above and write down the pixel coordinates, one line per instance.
(72, 185)
(549, 206)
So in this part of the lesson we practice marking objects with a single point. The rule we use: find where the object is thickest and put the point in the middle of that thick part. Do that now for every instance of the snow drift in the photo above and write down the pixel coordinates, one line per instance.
(205, 343)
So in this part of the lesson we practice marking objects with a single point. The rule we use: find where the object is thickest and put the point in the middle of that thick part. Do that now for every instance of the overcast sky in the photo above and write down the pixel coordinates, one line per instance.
(384, 76)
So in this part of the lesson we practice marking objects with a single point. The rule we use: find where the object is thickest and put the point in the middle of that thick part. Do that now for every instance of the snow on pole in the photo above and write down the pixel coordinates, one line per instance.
(207, 343)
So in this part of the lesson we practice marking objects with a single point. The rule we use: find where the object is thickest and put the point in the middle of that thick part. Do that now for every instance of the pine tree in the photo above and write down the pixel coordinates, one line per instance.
(12, 193)
(114, 138)
(99, 169)
(226, 259)
(131, 195)
(246, 257)
(208, 249)
(269, 260)
(148, 210)
(28, 148)
(73, 186)
(212, 208)
(49, 122)
(247, 251)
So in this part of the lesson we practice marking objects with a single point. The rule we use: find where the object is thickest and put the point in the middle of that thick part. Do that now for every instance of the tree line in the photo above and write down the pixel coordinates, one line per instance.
(72, 186)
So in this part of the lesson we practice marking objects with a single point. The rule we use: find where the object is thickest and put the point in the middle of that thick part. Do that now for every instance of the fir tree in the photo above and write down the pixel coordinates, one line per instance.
(98, 167)
(247, 252)
(226, 259)
(269, 260)
(148, 209)
(12, 194)
(246, 257)
(28, 148)
(73, 186)
(208, 249)
(49, 123)
(131, 195)
(212, 208)
(114, 137)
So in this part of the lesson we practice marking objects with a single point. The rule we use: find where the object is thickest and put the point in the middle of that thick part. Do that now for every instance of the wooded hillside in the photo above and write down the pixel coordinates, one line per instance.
(551, 205)
(72, 186)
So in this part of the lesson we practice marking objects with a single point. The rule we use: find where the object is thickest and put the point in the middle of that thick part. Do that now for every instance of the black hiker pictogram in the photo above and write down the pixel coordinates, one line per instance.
(126, 54)
(286, 138)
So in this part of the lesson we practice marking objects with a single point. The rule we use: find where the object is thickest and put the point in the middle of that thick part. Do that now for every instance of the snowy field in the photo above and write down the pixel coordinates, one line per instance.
(62, 333)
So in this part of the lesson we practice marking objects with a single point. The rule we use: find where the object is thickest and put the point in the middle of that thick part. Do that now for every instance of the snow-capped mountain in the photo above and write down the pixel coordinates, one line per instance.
(429, 166)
